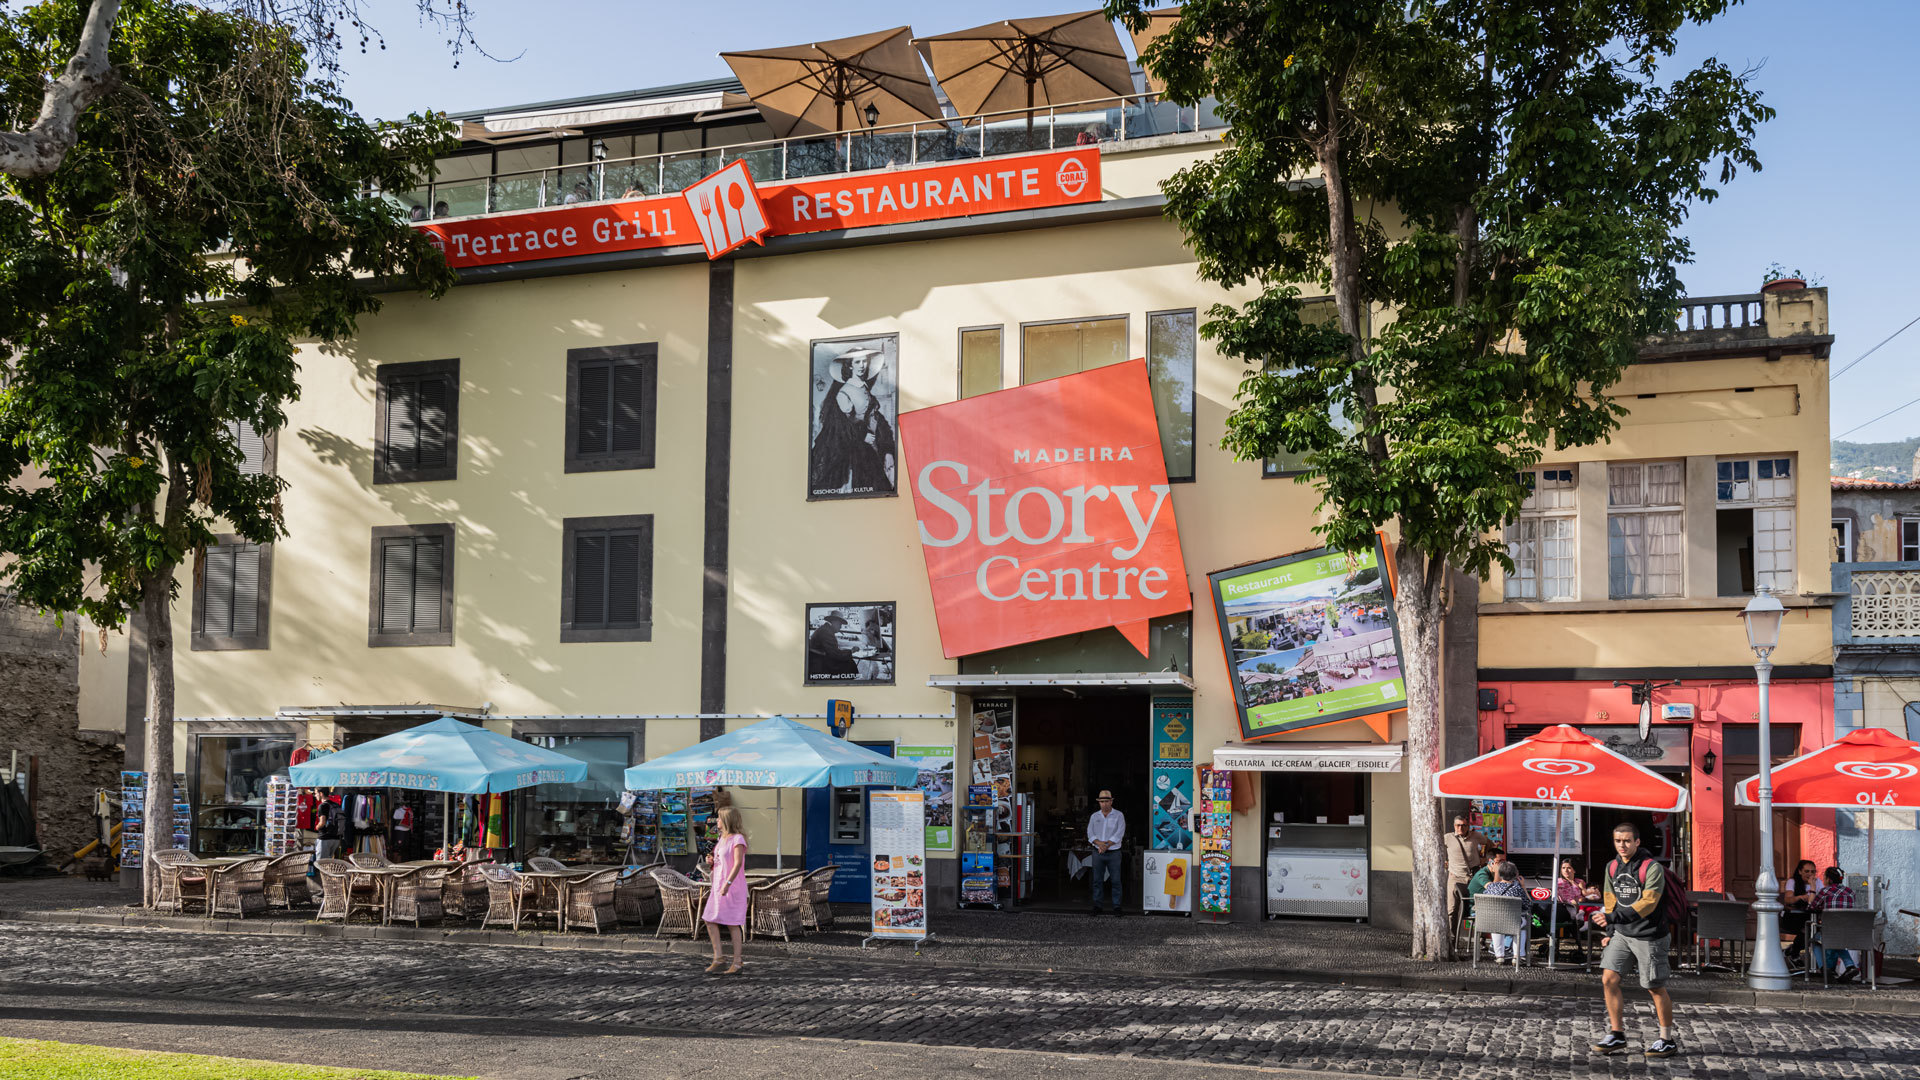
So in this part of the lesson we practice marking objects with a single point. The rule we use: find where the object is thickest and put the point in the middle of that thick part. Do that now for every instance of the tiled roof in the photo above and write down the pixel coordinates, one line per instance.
(1855, 483)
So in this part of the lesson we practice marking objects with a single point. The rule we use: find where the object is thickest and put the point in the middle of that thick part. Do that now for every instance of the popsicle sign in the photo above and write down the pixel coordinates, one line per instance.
(726, 206)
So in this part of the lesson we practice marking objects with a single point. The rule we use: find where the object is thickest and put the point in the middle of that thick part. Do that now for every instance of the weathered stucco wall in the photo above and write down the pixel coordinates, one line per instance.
(39, 717)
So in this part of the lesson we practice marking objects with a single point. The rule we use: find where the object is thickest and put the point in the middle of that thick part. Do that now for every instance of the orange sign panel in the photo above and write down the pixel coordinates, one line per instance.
(1045, 510)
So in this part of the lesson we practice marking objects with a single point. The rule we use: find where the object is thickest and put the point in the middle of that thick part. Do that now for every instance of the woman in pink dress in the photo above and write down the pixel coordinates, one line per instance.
(727, 897)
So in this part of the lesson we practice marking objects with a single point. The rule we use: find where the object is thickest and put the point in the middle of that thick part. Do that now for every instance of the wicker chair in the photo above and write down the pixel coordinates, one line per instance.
(415, 895)
(179, 886)
(367, 860)
(286, 880)
(774, 907)
(239, 889)
(463, 892)
(680, 898)
(816, 913)
(503, 896)
(341, 896)
(541, 862)
(636, 896)
(590, 902)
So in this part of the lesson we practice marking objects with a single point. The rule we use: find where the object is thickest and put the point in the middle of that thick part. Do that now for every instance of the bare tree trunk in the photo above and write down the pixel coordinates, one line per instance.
(40, 149)
(1421, 609)
(156, 613)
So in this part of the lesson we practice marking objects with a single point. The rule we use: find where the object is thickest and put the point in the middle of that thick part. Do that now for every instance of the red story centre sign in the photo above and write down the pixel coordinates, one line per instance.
(917, 193)
(1045, 510)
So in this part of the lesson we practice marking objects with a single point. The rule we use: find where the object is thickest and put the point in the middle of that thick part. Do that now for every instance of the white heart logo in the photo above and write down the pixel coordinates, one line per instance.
(1876, 770)
(1557, 766)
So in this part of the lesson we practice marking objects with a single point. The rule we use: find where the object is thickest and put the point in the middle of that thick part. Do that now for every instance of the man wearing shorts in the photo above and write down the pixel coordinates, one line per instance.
(1636, 942)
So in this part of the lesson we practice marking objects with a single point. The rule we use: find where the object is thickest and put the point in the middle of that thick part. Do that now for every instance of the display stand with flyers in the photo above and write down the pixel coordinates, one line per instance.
(281, 837)
(897, 835)
(978, 887)
(133, 803)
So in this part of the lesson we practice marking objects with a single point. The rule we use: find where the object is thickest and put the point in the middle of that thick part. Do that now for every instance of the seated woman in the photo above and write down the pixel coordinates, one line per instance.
(1797, 894)
(1506, 882)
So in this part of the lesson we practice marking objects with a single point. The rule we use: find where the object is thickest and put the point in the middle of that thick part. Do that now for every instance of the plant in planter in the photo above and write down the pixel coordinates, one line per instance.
(1779, 279)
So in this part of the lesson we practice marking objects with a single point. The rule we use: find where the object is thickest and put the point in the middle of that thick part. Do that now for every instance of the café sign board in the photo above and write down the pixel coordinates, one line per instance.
(1045, 510)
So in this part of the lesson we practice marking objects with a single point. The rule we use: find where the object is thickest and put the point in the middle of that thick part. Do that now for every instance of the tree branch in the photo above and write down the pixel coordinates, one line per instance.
(39, 150)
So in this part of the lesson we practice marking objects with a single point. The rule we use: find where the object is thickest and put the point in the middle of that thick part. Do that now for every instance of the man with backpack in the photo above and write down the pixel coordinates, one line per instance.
(1635, 911)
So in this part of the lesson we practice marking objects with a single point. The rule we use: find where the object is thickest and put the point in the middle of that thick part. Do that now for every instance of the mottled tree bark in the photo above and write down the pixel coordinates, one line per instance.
(156, 614)
(40, 149)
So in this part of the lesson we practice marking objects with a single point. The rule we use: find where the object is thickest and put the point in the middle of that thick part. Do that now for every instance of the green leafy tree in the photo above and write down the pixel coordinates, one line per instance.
(1490, 190)
(214, 210)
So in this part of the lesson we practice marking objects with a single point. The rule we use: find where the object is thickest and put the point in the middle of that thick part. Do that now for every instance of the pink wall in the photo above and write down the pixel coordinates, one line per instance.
(1808, 703)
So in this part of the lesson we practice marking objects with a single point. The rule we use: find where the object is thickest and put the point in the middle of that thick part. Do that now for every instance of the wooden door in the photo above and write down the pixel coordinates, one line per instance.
(1741, 835)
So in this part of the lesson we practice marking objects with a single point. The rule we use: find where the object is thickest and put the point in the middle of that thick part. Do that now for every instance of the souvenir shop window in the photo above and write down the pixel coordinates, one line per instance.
(230, 790)
(581, 819)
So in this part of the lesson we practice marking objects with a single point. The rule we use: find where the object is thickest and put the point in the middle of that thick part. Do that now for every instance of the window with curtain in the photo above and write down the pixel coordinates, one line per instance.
(979, 360)
(1542, 540)
(1646, 544)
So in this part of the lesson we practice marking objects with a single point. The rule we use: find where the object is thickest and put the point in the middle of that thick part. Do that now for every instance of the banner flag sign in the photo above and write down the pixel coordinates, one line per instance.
(894, 196)
(899, 864)
(1310, 639)
(1045, 510)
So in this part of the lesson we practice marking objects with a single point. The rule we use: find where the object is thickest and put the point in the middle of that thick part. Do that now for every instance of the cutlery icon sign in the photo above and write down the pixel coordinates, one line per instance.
(706, 211)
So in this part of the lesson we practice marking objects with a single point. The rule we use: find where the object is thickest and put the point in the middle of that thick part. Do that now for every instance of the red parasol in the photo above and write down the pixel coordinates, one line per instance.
(1561, 765)
(1866, 769)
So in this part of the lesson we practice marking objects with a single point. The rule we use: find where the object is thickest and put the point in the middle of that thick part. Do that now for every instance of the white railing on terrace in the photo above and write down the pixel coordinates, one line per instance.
(958, 138)
(1885, 603)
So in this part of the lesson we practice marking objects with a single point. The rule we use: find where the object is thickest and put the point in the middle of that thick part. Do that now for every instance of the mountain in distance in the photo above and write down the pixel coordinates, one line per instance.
(1875, 461)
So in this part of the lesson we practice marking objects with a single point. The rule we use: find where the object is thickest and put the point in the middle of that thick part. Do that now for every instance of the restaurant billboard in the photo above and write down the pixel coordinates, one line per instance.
(1310, 639)
(1045, 510)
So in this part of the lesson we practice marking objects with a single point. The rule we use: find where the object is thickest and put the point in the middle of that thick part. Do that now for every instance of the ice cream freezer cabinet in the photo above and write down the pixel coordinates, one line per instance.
(1326, 881)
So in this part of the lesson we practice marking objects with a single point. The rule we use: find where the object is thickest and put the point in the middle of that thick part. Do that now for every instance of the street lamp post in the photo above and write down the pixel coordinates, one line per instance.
(1768, 971)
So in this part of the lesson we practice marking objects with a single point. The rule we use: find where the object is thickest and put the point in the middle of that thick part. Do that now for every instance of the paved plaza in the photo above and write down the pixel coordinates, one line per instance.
(1211, 1021)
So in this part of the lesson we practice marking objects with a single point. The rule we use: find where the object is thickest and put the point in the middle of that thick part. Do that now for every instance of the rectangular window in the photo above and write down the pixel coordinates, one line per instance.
(1754, 506)
(230, 595)
(1842, 539)
(1317, 311)
(1541, 541)
(611, 402)
(607, 579)
(979, 360)
(418, 433)
(1909, 539)
(411, 592)
(256, 450)
(1645, 541)
(1170, 346)
(1050, 350)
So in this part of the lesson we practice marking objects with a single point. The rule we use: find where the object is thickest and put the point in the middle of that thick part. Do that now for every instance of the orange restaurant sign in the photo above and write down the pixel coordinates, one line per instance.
(1045, 510)
(920, 193)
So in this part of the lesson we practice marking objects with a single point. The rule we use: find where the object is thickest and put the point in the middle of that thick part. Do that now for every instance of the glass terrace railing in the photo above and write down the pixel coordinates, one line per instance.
(958, 138)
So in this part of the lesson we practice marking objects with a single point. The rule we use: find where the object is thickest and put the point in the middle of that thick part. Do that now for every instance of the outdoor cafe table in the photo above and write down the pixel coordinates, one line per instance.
(206, 864)
(558, 881)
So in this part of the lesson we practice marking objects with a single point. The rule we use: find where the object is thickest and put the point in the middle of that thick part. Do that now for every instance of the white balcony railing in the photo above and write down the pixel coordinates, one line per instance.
(1885, 603)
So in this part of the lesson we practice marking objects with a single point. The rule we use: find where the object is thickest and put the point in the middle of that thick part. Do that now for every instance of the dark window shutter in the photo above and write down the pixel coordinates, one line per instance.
(593, 404)
(433, 395)
(253, 447)
(629, 390)
(429, 559)
(402, 424)
(217, 592)
(623, 579)
(590, 580)
(396, 586)
(246, 590)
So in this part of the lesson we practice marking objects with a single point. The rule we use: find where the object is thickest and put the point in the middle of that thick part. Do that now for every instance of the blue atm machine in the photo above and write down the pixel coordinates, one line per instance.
(836, 832)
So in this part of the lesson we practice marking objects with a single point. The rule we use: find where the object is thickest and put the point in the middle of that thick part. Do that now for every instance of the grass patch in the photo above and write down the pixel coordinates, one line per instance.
(33, 1059)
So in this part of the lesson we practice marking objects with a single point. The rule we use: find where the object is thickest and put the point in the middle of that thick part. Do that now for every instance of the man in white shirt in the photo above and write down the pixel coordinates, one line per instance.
(1105, 829)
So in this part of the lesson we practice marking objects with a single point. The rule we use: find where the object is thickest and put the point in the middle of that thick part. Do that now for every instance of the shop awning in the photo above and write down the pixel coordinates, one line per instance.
(1171, 681)
(1312, 757)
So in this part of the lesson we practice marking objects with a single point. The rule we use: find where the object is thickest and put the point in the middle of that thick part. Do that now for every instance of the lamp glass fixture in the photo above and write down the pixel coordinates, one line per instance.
(1763, 615)
(872, 113)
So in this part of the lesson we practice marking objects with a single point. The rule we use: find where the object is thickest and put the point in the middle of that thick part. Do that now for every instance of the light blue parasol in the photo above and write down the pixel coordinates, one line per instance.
(774, 753)
(445, 755)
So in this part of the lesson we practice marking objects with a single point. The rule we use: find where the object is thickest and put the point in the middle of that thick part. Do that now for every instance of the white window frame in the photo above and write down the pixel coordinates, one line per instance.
(1643, 509)
(1909, 527)
(1844, 526)
(1771, 498)
(1552, 505)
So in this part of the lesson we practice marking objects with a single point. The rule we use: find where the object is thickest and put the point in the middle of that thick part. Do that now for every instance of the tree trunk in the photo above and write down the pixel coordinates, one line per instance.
(1420, 606)
(40, 149)
(156, 613)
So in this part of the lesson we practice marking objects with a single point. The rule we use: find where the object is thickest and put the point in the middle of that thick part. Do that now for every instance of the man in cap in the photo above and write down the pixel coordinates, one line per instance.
(825, 654)
(1105, 829)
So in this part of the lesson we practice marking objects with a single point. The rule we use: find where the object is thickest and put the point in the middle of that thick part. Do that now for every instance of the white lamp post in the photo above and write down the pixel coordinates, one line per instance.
(1768, 971)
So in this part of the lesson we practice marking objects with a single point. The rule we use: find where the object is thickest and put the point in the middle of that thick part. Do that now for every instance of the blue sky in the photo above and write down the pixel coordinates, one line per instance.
(1834, 198)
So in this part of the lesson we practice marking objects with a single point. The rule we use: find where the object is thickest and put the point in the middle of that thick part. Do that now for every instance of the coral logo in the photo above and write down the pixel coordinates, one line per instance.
(1557, 766)
(1071, 177)
(1876, 770)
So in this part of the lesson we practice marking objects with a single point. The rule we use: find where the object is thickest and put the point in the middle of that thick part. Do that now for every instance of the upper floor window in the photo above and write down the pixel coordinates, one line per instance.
(1542, 539)
(607, 579)
(1646, 542)
(411, 594)
(1909, 539)
(418, 434)
(256, 449)
(979, 360)
(611, 407)
(1051, 349)
(230, 595)
(1842, 539)
(1754, 522)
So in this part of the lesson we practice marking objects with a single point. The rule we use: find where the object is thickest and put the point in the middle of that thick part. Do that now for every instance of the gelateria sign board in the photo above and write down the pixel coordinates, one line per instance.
(729, 208)
(1310, 639)
(1045, 510)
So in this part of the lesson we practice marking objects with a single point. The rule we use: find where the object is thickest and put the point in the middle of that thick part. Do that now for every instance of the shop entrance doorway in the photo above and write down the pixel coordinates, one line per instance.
(1742, 836)
(1066, 749)
(1317, 844)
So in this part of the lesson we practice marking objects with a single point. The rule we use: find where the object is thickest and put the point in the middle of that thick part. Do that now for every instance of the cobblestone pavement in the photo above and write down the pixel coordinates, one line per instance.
(1297, 1026)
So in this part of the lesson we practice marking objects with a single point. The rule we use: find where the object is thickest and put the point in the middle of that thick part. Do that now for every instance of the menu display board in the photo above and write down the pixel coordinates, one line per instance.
(1530, 829)
(1214, 839)
(897, 835)
(936, 783)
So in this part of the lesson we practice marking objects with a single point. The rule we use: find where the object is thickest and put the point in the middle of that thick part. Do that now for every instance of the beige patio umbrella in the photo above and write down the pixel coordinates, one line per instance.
(1158, 23)
(826, 85)
(1026, 63)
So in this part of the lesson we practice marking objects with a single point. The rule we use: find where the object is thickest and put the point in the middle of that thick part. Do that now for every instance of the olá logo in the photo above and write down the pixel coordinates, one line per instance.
(1557, 766)
(1876, 770)
(1071, 177)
